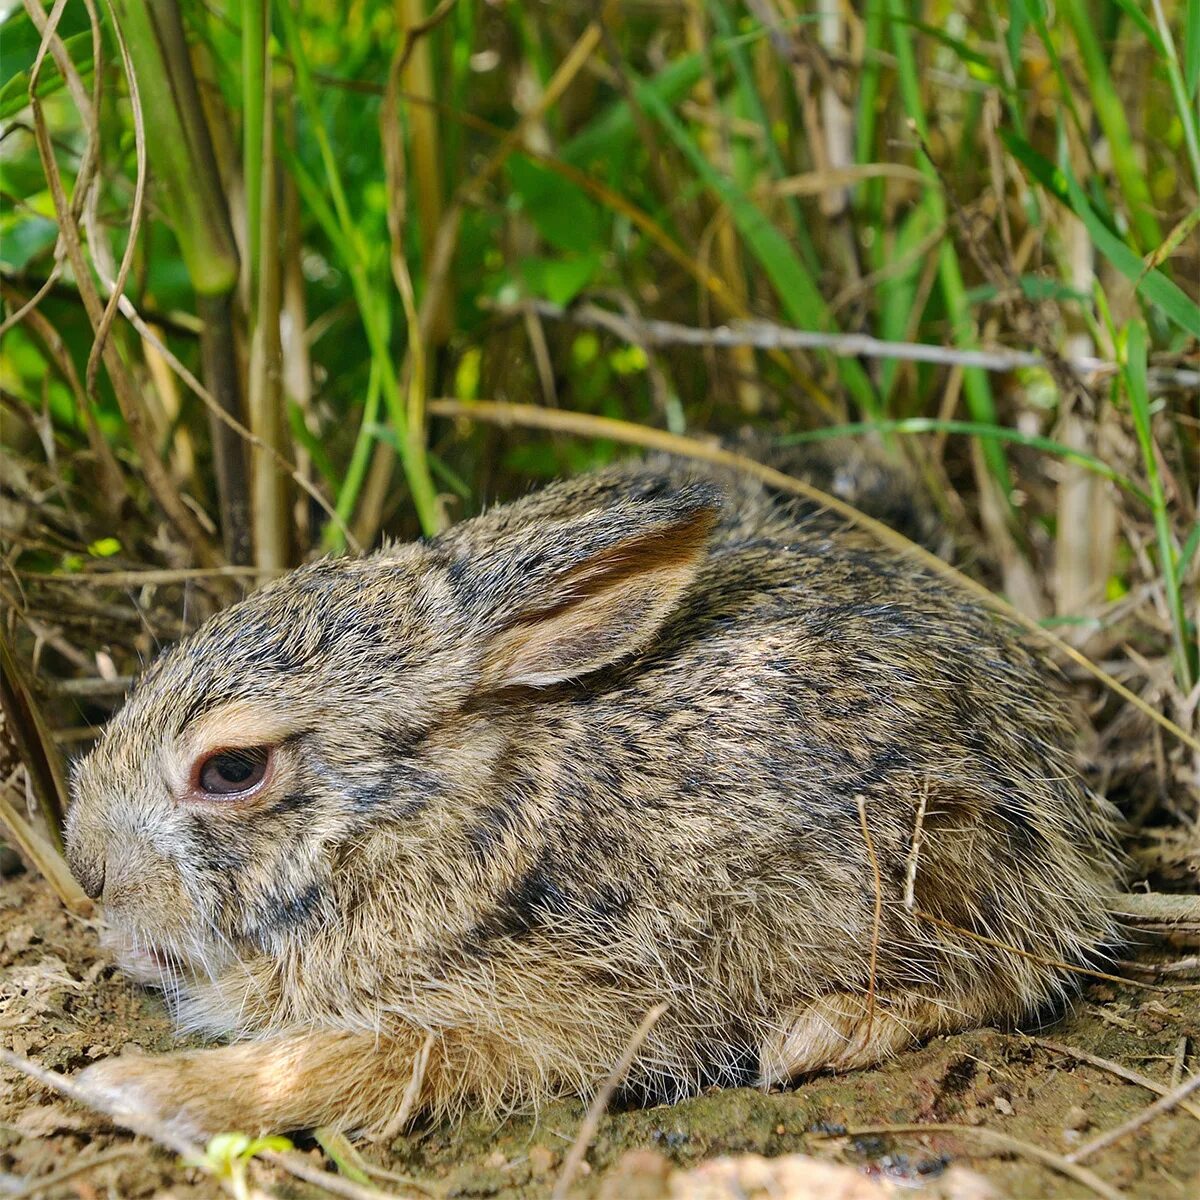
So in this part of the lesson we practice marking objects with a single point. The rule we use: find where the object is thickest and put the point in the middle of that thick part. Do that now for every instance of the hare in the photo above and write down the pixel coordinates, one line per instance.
(436, 828)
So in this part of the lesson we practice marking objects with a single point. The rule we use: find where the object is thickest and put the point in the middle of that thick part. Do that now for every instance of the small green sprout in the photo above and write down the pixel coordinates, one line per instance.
(227, 1156)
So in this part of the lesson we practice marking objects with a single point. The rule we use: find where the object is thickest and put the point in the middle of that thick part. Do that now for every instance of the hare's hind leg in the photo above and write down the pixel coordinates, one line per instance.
(842, 1031)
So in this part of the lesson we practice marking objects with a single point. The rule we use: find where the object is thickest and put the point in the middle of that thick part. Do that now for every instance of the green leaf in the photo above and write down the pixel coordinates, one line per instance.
(20, 39)
(558, 280)
(560, 211)
(23, 238)
(1109, 108)
(607, 137)
(1143, 22)
(14, 94)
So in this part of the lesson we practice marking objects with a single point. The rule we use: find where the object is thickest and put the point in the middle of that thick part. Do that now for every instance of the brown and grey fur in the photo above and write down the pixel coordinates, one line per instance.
(597, 749)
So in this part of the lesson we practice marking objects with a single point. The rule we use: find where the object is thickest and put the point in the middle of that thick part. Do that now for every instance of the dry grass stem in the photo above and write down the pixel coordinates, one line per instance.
(585, 425)
(983, 939)
(910, 869)
(35, 1187)
(1158, 908)
(1161, 1105)
(412, 1093)
(44, 856)
(1114, 1068)
(600, 1102)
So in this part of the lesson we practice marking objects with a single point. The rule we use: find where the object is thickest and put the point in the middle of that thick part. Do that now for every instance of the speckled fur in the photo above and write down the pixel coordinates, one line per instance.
(509, 876)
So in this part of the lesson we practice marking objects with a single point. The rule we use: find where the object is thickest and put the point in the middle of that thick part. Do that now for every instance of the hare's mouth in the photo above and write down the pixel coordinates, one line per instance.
(144, 961)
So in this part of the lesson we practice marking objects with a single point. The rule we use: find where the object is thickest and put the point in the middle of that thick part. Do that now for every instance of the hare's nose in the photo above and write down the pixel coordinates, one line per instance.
(88, 869)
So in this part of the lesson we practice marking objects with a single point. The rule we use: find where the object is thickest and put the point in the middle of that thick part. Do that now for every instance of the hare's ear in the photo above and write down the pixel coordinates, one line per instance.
(560, 599)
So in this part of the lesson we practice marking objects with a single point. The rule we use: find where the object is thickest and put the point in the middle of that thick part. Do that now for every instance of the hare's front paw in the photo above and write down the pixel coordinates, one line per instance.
(138, 1085)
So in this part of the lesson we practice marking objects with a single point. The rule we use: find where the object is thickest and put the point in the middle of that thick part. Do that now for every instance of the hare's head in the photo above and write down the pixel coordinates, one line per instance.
(256, 754)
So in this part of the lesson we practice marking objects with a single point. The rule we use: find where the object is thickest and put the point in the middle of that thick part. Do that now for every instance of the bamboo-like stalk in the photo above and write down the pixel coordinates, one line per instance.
(180, 146)
(425, 151)
(296, 367)
(158, 482)
(264, 398)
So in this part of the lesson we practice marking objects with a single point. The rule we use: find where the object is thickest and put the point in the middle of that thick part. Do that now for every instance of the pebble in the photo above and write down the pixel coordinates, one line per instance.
(542, 1160)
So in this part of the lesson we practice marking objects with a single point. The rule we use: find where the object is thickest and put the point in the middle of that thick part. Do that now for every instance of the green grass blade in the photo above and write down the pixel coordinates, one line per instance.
(1110, 112)
(1191, 49)
(372, 300)
(748, 90)
(1184, 108)
(1189, 550)
(255, 30)
(1134, 372)
(607, 136)
(334, 537)
(870, 194)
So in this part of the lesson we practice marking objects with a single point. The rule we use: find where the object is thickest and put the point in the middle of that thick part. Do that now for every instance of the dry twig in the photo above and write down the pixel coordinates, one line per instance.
(45, 1183)
(1114, 1068)
(1161, 1105)
(591, 1119)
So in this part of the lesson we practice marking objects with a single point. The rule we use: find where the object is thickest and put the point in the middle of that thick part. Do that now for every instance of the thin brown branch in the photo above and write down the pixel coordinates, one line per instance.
(46, 1183)
(161, 1133)
(117, 286)
(128, 400)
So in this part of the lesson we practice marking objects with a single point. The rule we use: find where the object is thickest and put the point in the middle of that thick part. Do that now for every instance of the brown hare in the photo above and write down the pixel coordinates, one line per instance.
(435, 828)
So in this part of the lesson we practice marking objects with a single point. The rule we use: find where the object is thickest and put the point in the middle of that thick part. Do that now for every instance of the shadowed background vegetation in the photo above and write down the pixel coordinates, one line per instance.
(268, 268)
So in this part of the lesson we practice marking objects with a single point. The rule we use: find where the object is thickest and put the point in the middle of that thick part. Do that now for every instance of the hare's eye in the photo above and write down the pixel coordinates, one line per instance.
(233, 772)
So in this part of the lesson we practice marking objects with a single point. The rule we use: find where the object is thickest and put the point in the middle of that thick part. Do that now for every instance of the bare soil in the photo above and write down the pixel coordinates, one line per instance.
(63, 1005)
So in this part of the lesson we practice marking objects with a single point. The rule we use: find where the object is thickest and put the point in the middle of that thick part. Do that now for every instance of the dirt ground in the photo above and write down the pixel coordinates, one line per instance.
(64, 1006)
